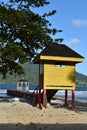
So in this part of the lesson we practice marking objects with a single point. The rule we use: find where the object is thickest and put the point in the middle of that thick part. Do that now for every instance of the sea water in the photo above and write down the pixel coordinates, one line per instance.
(5, 87)
(80, 93)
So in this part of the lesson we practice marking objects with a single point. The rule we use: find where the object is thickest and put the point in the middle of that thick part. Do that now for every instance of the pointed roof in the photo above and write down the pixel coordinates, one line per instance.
(59, 50)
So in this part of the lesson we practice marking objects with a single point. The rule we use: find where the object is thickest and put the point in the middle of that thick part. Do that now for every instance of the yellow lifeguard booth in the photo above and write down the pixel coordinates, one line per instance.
(57, 65)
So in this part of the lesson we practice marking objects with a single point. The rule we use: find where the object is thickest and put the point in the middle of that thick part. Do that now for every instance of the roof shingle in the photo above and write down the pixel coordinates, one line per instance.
(59, 50)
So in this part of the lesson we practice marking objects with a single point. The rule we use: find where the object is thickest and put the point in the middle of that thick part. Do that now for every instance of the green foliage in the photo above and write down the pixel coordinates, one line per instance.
(23, 33)
(31, 74)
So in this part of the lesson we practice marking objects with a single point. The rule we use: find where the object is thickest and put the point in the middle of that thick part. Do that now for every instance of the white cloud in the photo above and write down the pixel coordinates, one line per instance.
(79, 22)
(74, 41)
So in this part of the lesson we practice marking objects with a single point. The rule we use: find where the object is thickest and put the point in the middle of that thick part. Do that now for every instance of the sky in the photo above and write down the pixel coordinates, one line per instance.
(71, 17)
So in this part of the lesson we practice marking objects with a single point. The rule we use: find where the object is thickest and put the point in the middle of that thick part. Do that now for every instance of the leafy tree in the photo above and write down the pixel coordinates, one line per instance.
(22, 33)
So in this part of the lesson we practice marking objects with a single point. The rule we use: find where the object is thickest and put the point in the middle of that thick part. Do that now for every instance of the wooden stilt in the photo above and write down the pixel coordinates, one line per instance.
(44, 99)
(66, 98)
(73, 99)
(39, 98)
(40, 85)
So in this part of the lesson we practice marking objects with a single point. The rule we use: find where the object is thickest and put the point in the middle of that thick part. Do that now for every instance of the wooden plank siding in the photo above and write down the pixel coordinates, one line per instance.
(56, 77)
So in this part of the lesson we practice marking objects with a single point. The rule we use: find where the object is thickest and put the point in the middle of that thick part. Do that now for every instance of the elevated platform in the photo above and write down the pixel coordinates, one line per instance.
(33, 96)
(24, 94)
(19, 93)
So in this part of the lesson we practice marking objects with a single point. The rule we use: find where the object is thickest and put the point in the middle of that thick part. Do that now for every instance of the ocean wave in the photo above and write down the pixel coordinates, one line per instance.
(60, 93)
(3, 91)
(78, 94)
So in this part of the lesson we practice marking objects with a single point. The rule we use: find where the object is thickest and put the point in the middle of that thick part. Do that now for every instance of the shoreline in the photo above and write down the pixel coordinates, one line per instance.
(78, 98)
(60, 93)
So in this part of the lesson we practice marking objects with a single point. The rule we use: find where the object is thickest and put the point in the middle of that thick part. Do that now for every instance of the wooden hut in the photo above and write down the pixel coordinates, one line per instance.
(57, 65)
(23, 84)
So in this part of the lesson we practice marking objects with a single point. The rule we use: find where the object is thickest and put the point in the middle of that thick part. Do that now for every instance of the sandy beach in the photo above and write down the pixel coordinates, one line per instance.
(19, 114)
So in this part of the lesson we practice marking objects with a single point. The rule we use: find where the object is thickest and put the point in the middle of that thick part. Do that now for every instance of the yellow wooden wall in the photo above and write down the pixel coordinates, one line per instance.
(56, 77)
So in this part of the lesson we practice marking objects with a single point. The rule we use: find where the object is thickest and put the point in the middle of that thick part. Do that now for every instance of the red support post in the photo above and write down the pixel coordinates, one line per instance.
(73, 99)
(39, 99)
(66, 98)
(44, 99)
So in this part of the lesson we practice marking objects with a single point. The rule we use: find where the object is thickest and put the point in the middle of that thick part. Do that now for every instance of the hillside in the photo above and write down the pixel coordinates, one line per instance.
(81, 79)
(31, 74)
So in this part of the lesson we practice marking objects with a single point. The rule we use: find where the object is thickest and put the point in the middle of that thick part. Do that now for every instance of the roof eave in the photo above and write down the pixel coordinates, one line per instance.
(60, 58)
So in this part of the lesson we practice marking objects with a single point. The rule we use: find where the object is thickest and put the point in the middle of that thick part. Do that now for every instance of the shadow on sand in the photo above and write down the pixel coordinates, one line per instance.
(80, 104)
(33, 126)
